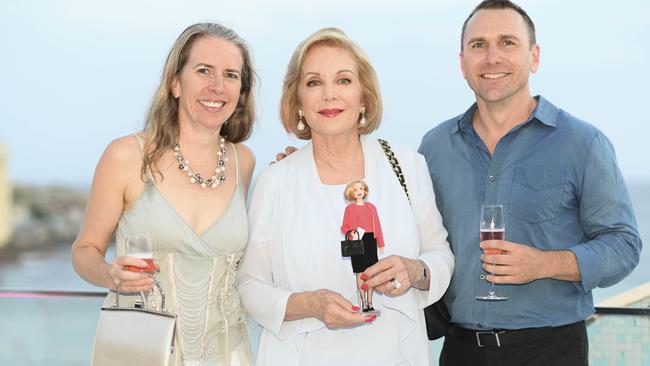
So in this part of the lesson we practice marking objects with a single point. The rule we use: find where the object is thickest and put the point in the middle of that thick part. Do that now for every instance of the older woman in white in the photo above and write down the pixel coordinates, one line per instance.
(293, 280)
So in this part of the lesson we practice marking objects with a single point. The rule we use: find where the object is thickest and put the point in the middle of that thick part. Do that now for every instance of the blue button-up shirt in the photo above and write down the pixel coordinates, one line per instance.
(561, 188)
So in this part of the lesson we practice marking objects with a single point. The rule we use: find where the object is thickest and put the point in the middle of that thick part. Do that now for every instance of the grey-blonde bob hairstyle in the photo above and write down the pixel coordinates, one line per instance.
(289, 102)
(349, 190)
(162, 126)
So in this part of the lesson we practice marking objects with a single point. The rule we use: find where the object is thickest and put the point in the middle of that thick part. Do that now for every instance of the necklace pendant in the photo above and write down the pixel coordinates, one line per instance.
(203, 185)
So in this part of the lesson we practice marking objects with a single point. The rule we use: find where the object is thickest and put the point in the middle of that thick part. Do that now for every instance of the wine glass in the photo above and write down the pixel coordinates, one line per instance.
(141, 247)
(492, 227)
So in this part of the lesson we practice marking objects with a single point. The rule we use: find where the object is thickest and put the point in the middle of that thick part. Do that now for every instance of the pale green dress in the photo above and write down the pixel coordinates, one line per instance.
(197, 273)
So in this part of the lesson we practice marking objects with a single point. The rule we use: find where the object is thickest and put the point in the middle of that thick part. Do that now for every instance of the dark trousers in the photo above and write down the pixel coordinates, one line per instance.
(550, 346)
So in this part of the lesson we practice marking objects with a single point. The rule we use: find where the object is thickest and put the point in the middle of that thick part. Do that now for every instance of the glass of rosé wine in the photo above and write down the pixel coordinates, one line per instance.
(492, 227)
(140, 246)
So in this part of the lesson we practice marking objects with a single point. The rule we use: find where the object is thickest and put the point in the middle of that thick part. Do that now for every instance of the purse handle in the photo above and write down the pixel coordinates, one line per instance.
(144, 300)
(350, 231)
(394, 163)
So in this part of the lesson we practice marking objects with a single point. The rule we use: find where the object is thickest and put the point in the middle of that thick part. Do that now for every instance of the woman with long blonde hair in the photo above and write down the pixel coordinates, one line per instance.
(182, 181)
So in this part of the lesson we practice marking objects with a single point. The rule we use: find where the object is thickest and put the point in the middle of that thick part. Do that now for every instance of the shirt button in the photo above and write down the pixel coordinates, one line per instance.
(482, 276)
(492, 178)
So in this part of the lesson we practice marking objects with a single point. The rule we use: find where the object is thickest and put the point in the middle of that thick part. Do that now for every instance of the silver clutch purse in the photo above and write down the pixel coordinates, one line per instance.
(134, 336)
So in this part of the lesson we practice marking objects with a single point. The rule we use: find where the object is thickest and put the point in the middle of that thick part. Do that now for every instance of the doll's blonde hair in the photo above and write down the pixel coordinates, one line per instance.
(350, 187)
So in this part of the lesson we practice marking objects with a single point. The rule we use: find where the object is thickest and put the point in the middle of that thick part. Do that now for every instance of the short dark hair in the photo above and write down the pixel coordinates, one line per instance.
(502, 4)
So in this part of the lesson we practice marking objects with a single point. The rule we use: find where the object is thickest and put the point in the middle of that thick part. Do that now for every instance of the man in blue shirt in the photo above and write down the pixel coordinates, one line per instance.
(570, 226)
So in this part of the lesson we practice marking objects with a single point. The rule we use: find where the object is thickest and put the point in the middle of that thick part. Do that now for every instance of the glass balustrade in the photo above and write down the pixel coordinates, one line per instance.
(58, 327)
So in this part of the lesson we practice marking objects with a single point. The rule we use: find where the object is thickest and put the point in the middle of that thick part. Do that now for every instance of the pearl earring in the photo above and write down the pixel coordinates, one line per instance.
(301, 124)
(363, 121)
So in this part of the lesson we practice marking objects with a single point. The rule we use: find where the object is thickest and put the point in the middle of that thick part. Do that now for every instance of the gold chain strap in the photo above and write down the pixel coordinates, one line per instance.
(392, 159)
(394, 163)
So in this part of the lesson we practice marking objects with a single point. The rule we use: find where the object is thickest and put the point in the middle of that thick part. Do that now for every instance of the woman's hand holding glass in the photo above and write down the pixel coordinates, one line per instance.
(134, 270)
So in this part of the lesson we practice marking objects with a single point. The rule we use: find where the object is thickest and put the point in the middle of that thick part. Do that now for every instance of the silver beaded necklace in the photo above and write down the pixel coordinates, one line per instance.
(220, 171)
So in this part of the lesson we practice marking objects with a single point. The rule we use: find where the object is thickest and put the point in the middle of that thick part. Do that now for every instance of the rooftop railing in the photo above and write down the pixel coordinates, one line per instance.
(58, 327)
(619, 332)
(48, 327)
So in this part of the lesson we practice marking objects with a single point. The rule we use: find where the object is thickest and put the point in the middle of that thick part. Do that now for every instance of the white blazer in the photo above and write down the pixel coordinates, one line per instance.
(294, 246)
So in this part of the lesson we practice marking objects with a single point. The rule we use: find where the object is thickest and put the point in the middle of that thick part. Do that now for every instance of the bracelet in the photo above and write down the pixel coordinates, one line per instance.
(424, 274)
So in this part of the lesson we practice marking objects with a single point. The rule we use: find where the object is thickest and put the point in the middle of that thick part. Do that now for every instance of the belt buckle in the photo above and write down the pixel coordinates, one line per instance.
(496, 336)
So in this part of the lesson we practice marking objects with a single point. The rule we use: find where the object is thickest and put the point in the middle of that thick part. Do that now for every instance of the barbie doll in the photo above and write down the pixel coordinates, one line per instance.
(362, 216)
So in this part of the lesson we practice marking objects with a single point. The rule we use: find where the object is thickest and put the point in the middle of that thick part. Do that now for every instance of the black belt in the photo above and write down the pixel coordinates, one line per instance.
(505, 337)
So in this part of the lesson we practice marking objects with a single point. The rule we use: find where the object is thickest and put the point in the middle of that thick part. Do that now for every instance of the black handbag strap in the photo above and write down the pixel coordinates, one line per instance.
(347, 234)
(394, 163)
(436, 315)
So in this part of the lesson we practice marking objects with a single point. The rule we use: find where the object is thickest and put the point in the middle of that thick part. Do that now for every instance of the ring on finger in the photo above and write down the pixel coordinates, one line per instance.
(396, 284)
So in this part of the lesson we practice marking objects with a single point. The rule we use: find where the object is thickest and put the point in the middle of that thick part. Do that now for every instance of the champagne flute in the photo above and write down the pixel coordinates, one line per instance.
(492, 227)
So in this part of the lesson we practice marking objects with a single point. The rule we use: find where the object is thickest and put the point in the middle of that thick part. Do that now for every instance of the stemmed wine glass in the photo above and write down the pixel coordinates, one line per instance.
(140, 246)
(492, 227)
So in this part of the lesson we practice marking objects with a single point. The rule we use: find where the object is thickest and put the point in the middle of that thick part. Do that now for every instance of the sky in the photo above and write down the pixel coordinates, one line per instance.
(77, 74)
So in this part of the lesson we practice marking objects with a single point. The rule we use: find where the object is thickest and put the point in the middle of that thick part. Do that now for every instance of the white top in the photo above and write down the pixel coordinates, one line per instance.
(294, 246)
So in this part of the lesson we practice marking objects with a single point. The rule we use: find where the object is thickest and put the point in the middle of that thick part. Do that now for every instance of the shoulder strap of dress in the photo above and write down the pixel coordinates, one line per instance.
(141, 145)
(236, 163)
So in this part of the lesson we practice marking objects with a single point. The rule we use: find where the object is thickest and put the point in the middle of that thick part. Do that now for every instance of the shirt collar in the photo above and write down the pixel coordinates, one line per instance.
(545, 112)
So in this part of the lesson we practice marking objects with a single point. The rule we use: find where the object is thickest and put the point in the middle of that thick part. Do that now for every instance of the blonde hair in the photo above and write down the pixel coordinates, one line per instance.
(289, 102)
(349, 195)
(161, 125)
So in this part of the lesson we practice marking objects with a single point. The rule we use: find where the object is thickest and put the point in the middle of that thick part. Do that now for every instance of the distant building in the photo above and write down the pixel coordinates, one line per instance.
(5, 198)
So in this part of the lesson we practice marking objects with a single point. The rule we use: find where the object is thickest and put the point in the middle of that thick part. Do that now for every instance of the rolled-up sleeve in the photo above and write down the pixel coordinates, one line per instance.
(614, 245)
